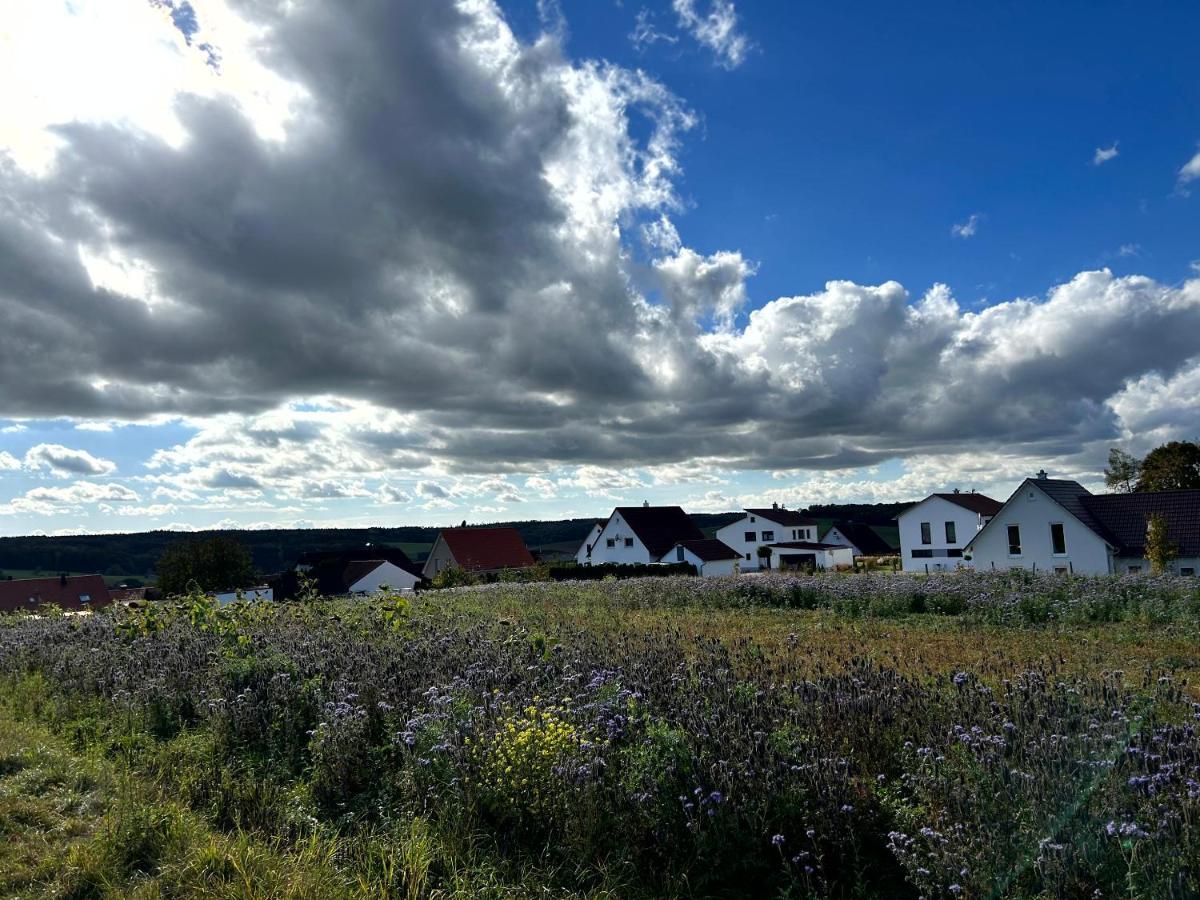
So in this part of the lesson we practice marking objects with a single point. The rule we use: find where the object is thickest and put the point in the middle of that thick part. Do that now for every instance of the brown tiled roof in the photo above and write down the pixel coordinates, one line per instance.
(65, 592)
(976, 503)
(1123, 518)
(660, 528)
(782, 516)
(486, 549)
(710, 549)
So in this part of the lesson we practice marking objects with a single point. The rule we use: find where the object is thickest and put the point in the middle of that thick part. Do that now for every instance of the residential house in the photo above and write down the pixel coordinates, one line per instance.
(481, 551)
(259, 592)
(862, 539)
(763, 527)
(71, 593)
(583, 555)
(935, 532)
(814, 555)
(1058, 525)
(709, 556)
(642, 535)
(357, 571)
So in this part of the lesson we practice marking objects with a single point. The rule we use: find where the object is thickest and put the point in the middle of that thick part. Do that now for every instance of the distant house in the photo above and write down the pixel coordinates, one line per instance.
(356, 571)
(708, 555)
(260, 592)
(73, 593)
(1058, 525)
(763, 527)
(799, 555)
(642, 535)
(481, 551)
(127, 595)
(583, 555)
(935, 532)
(862, 539)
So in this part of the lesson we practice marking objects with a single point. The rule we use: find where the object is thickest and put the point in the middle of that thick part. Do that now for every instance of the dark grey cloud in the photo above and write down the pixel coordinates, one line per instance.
(440, 236)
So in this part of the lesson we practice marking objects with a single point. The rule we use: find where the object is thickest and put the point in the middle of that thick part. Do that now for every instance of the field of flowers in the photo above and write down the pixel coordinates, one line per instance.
(852, 735)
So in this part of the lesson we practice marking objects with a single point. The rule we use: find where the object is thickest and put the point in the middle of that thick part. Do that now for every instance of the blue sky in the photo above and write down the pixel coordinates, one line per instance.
(476, 319)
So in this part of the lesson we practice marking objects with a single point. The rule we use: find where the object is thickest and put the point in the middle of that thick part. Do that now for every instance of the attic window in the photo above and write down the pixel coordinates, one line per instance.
(768, 536)
(752, 519)
(611, 542)
(628, 542)
(679, 553)
(85, 598)
(926, 533)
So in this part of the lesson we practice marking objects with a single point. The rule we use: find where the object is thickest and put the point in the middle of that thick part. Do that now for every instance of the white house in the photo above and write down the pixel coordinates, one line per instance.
(791, 555)
(255, 593)
(583, 555)
(370, 576)
(763, 527)
(709, 556)
(934, 533)
(641, 535)
(1057, 525)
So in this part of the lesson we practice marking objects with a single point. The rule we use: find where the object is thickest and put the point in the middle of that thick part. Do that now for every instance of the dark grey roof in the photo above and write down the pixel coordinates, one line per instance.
(865, 538)
(976, 503)
(660, 528)
(1070, 496)
(781, 516)
(1124, 518)
(807, 545)
(710, 549)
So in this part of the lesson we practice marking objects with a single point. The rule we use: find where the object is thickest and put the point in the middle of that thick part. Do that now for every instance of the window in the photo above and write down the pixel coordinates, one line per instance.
(768, 535)
(628, 542)
(1134, 570)
(795, 535)
(922, 554)
(85, 598)
(1187, 570)
(1060, 570)
(1058, 539)
(747, 556)
(954, 552)
(1014, 540)
(679, 554)
(611, 542)
(926, 533)
(751, 537)
(752, 519)
(951, 533)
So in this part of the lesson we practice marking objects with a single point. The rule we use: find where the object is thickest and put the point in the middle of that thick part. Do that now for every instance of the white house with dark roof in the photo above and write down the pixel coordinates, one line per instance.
(641, 535)
(814, 555)
(709, 556)
(1058, 525)
(763, 527)
(935, 532)
(583, 556)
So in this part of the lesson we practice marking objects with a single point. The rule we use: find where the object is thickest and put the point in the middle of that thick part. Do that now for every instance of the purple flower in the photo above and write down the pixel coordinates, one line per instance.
(778, 840)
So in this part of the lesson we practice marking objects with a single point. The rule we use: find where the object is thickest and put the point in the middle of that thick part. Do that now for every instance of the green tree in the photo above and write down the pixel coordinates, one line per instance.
(217, 564)
(1171, 467)
(1122, 472)
(1160, 549)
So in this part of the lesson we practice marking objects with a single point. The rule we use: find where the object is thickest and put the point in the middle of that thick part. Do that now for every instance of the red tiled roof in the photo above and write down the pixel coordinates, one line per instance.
(64, 592)
(485, 549)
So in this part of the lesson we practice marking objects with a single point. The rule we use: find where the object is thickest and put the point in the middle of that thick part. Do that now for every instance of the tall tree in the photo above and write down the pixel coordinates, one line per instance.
(217, 564)
(1171, 467)
(1122, 472)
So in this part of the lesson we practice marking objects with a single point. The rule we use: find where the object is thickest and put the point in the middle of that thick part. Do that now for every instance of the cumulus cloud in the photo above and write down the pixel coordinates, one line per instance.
(1189, 172)
(8, 461)
(968, 228)
(1104, 154)
(65, 461)
(81, 493)
(331, 305)
(717, 29)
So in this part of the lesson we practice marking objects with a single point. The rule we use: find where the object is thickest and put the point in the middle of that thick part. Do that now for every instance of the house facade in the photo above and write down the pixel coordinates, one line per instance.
(935, 532)
(762, 528)
(641, 535)
(711, 557)
(481, 551)
(1058, 525)
(583, 556)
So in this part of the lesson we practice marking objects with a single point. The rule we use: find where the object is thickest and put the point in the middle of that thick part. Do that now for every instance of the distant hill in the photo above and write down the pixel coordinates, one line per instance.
(272, 550)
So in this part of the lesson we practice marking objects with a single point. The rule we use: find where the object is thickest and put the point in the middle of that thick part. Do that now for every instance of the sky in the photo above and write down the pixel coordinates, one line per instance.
(288, 263)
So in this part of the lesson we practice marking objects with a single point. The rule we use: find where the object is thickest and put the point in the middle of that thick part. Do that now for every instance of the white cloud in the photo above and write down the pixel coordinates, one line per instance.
(717, 29)
(1189, 172)
(968, 228)
(1127, 250)
(646, 34)
(8, 461)
(65, 461)
(1104, 154)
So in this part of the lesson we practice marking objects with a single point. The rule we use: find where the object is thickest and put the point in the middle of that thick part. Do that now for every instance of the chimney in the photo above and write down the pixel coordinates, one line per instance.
(956, 490)
(645, 504)
(1041, 475)
(774, 506)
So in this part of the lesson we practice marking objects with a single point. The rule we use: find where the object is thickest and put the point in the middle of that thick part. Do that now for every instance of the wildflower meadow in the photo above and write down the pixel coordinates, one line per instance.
(962, 735)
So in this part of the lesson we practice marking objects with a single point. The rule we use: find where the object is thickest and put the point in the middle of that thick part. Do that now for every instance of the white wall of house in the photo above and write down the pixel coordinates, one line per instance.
(708, 569)
(1188, 565)
(581, 555)
(257, 593)
(737, 535)
(833, 536)
(388, 573)
(440, 558)
(618, 544)
(1032, 510)
(936, 512)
